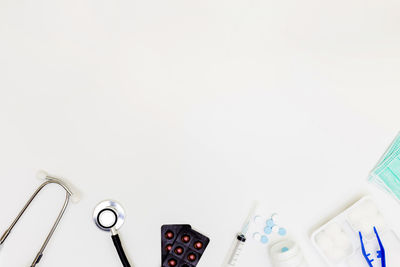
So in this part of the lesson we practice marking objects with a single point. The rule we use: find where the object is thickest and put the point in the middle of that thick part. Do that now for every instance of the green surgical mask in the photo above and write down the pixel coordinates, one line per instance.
(386, 174)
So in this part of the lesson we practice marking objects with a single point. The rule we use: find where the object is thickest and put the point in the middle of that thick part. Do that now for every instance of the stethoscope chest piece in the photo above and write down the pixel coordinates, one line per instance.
(109, 215)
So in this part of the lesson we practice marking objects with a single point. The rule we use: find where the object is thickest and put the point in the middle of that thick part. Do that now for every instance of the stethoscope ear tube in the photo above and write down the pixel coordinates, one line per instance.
(121, 253)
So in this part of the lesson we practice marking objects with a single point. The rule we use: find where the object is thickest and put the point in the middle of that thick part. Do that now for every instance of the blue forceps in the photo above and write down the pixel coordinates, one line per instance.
(380, 252)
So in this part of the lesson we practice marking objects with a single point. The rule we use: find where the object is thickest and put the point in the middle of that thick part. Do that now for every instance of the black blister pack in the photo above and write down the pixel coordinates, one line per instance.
(169, 233)
(187, 248)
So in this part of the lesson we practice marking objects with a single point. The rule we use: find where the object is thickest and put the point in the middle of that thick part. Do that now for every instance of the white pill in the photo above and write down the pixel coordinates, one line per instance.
(257, 236)
(275, 217)
(275, 229)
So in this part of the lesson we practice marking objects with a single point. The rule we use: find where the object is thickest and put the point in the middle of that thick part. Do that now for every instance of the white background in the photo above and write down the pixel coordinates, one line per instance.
(186, 111)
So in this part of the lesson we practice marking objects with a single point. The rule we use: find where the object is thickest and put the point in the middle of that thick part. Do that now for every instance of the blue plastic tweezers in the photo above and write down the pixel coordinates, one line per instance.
(380, 252)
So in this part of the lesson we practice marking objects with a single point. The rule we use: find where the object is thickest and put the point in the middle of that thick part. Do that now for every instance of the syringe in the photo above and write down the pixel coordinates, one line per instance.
(240, 240)
(237, 249)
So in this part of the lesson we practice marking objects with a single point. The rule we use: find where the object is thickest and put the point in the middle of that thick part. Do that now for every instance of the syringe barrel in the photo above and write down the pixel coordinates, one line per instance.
(237, 249)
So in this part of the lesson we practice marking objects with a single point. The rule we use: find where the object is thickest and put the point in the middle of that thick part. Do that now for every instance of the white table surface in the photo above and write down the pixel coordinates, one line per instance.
(187, 112)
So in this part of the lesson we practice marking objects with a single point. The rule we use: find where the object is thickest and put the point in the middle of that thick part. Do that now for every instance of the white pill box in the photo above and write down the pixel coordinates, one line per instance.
(338, 241)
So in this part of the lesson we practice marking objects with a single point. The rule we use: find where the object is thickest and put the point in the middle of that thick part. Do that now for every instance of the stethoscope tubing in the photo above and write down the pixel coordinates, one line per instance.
(120, 250)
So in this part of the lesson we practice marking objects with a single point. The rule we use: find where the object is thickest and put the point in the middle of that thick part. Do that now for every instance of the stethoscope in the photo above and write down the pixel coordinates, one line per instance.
(109, 216)
(69, 194)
